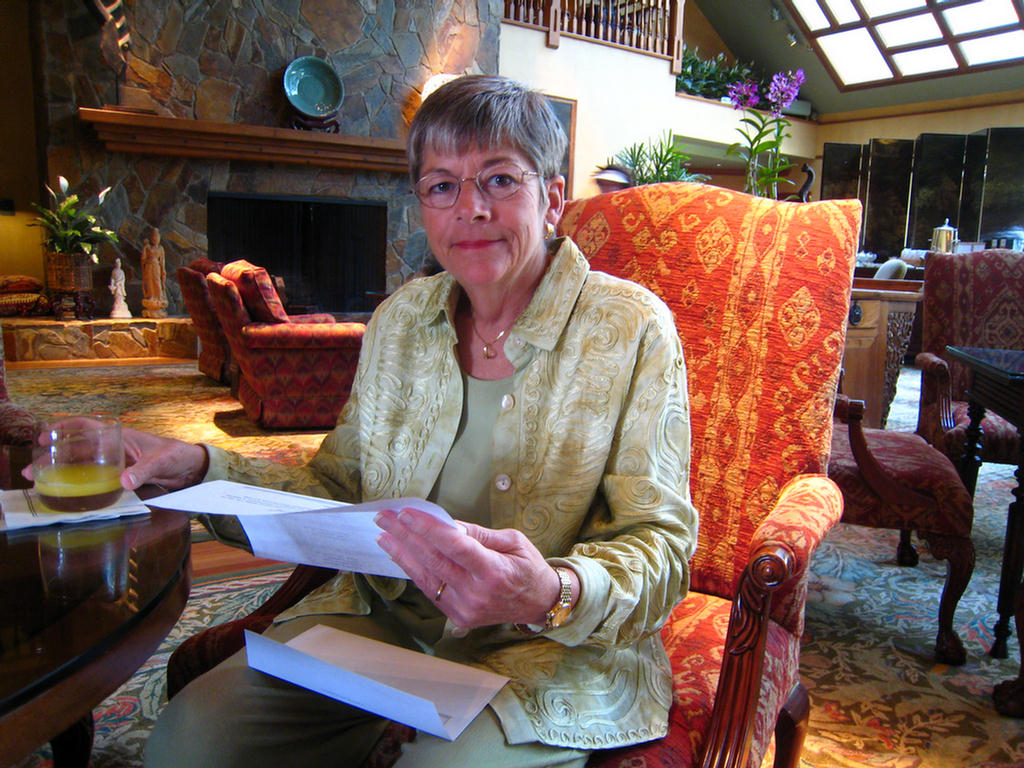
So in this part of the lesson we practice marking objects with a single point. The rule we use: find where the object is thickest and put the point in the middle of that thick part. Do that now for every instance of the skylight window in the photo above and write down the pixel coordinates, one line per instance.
(843, 10)
(888, 7)
(811, 13)
(867, 43)
(985, 50)
(915, 29)
(986, 14)
(937, 59)
(854, 56)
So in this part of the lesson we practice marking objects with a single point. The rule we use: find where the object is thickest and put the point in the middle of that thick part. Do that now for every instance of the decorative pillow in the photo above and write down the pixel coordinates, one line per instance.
(257, 291)
(20, 284)
(204, 265)
(23, 304)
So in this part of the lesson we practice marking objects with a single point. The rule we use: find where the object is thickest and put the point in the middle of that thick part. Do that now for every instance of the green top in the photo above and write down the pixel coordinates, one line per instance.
(464, 485)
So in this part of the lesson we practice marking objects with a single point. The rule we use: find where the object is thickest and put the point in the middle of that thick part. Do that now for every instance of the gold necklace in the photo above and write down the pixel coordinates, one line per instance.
(488, 350)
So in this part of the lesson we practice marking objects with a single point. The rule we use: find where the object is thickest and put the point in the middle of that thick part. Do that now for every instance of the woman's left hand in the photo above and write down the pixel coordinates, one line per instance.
(489, 576)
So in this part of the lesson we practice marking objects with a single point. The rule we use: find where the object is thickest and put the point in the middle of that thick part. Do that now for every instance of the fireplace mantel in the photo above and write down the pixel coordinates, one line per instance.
(129, 131)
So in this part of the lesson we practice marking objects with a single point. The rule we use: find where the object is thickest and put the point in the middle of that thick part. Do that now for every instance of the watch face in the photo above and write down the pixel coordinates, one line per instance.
(559, 615)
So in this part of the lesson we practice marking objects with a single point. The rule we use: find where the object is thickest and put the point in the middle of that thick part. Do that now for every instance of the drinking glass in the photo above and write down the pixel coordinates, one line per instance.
(77, 463)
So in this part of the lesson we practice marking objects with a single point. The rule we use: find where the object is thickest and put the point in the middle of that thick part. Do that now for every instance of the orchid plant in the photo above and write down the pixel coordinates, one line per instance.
(764, 131)
(70, 227)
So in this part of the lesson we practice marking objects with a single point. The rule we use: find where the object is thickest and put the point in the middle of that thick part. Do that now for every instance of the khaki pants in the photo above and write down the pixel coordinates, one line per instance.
(236, 717)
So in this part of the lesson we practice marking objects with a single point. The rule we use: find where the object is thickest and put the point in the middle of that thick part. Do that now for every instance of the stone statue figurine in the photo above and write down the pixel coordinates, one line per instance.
(120, 309)
(154, 299)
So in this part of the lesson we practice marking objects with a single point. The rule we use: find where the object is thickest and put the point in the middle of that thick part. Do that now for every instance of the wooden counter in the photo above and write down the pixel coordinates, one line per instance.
(877, 335)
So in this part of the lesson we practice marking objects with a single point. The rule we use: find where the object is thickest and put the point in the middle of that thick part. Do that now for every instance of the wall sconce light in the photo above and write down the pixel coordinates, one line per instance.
(791, 38)
(435, 82)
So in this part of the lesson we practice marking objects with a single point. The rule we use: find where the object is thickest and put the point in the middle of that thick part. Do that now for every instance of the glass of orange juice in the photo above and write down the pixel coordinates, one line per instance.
(77, 463)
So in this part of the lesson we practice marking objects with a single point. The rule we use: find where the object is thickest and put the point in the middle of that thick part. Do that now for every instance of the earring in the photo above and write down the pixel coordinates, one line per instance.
(549, 230)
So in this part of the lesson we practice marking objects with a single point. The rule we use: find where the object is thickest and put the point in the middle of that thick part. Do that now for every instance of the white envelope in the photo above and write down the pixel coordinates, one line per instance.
(427, 693)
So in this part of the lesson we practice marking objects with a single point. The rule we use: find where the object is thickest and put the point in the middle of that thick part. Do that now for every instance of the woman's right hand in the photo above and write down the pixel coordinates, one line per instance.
(163, 461)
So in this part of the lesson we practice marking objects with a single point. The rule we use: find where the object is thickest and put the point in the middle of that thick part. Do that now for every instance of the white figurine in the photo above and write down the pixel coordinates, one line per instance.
(120, 309)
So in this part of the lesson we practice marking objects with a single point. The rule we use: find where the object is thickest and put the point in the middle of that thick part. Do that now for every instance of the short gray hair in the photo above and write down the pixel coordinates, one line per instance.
(489, 112)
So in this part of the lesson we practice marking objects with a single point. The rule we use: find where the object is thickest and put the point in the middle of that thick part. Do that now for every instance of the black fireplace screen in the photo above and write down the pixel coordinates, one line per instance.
(330, 252)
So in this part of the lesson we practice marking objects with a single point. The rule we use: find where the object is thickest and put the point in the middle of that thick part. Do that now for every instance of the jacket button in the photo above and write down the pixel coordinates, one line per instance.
(502, 482)
(507, 402)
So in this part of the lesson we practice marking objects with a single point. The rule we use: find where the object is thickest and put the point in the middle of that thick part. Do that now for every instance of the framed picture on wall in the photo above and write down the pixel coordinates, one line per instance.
(565, 111)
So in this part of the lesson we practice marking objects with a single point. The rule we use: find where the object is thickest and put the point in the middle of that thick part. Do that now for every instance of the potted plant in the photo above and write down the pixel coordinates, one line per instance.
(657, 160)
(710, 78)
(72, 235)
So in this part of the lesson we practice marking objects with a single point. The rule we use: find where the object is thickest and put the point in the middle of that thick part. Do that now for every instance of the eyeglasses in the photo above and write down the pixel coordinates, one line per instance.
(496, 182)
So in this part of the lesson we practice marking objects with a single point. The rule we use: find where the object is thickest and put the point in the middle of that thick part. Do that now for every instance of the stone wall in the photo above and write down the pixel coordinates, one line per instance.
(223, 60)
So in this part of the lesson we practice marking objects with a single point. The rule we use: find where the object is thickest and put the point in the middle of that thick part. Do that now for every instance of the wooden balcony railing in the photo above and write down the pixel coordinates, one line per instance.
(654, 27)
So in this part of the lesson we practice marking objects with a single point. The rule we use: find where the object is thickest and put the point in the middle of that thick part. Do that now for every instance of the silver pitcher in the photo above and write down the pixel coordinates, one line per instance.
(944, 238)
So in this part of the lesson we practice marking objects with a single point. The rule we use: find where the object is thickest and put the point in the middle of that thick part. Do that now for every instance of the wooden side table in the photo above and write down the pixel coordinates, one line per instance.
(81, 608)
(997, 384)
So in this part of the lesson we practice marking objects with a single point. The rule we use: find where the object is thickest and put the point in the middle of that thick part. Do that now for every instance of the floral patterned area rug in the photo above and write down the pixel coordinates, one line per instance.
(173, 400)
(877, 696)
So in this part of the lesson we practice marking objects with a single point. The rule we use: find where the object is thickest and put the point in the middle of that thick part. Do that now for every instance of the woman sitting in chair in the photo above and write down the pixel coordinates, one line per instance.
(545, 407)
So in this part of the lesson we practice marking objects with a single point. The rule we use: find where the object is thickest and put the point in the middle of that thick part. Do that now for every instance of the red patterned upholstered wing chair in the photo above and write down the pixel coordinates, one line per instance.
(760, 291)
(972, 300)
(294, 371)
(214, 351)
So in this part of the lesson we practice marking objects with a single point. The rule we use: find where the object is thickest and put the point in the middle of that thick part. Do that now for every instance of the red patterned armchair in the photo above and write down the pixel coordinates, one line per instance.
(973, 300)
(760, 291)
(294, 371)
(17, 425)
(896, 480)
(214, 351)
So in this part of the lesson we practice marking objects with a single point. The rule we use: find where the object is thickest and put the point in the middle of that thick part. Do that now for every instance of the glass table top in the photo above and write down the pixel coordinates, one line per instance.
(1005, 363)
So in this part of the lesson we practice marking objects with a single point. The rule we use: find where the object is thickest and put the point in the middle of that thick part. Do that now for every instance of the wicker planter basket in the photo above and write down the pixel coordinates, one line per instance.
(68, 272)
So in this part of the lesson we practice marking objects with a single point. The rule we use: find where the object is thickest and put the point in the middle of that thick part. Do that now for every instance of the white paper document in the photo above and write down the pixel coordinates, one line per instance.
(24, 509)
(427, 693)
(295, 528)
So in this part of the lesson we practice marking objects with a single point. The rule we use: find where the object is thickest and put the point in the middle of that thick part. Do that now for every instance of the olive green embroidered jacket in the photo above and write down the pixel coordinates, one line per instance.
(591, 459)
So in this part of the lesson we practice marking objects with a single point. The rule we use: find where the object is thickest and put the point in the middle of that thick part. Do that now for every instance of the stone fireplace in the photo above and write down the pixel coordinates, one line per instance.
(211, 74)
(330, 253)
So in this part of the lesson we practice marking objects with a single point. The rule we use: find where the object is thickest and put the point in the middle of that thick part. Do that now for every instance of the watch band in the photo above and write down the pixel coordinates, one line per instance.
(561, 610)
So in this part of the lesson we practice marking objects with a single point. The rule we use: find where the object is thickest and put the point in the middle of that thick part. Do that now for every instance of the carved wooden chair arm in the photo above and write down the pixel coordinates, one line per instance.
(739, 686)
(877, 479)
(935, 411)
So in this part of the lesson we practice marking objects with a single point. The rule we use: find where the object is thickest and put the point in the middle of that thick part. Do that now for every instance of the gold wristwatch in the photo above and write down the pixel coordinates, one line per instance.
(560, 611)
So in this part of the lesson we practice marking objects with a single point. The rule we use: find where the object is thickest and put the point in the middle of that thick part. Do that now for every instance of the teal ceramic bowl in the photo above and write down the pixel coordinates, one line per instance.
(313, 87)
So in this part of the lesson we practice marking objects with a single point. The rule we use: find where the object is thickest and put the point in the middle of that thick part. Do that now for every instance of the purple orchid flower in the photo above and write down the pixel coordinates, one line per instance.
(744, 95)
(784, 89)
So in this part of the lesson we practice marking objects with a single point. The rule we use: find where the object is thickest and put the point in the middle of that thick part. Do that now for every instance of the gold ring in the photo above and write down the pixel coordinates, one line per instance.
(437, 595)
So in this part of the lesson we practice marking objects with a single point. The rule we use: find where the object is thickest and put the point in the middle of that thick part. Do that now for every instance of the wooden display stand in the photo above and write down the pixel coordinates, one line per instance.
(877, 334)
